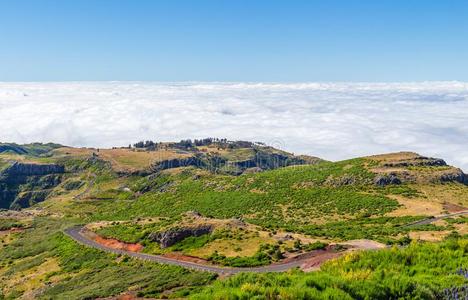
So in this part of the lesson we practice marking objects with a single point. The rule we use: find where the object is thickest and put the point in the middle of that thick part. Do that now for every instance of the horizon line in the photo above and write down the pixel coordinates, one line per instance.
(237, 82)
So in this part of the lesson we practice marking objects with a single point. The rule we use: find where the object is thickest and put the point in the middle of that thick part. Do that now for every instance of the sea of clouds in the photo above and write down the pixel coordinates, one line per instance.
(330, 120)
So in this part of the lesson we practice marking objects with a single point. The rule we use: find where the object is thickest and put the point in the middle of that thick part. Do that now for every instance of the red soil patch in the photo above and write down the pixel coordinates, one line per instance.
(112, 243)
(314, 263)
(453, 208)
(188, 258)
(125, 296)
(116, 244)
(301, 256)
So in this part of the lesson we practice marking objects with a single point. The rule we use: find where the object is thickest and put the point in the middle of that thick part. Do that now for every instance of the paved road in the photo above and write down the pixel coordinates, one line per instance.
(430, 220)
(75, 233)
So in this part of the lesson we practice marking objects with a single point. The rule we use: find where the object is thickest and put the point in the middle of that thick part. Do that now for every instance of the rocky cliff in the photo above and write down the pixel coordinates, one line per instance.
(24, 169)
(262, 160)
(410, 167)
(170, 237)
(23, 184)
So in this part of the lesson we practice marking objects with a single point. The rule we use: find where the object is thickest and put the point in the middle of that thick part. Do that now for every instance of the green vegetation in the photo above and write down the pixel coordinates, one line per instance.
(132, 233)
(265, 255)
(291, 198)
(259, 259)
(192, 242)
(35, 149)
(137, 196)
(303, 199)
(86, 273)
(3, 165)
(315, 246)
(7, 223)
(420, 271)
(458, 220)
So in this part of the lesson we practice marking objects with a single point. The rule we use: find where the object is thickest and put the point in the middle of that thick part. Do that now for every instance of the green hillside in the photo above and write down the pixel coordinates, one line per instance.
(227, 203)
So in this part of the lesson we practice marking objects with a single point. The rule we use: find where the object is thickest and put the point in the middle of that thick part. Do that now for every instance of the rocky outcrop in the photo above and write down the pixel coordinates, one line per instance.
(419, 161)
(28, 199)
(12, 148)
(408, 167)
(23, 169)
(269, 161)
(172, 236)
(24, 184)
(384, 180)
(456, 176)
(177, 163)
(260, 160)
(341, 181)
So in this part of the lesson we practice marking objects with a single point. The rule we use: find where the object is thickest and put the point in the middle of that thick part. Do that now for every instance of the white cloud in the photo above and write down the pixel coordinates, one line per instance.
(330, 120)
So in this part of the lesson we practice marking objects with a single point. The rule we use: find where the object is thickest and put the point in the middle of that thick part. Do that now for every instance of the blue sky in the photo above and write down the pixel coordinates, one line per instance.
(279, 41)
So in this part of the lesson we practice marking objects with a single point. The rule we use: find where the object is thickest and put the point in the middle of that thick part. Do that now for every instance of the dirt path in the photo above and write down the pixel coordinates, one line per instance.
(311, 260)
(433, 219)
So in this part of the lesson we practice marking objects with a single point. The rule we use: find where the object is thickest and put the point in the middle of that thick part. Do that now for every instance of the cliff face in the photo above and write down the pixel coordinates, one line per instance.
(23, 184)
(262, 160)
(457, 175)
(22, 169)
(397, 168)
(174, 235)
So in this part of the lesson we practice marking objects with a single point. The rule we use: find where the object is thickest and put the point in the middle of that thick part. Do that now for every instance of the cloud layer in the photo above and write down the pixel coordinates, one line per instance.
(330, 120)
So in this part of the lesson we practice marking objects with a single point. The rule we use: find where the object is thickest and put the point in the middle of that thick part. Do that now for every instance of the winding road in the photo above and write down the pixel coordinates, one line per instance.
(317, 255)
(76, 234)
(441, 217)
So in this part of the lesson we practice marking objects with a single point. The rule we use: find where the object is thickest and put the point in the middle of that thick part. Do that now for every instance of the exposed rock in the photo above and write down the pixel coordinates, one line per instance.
(243, 164)
(340, 181)
(384, 180)
(262, 159)
(22, 169)
(286, 237)
(253, 170)
(177, 163)
(29, 198)
(23, 184)
(170, 237)
(456, 176)
(418, 161)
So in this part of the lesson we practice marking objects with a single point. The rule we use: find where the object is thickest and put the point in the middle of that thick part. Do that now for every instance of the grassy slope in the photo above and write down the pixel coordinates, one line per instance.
(333, 200)
(420, 271)
(82, 273)
(304, 199)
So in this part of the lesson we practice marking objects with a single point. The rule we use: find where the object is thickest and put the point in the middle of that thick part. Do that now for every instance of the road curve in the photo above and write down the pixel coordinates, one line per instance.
(75, 233)
(433, 219)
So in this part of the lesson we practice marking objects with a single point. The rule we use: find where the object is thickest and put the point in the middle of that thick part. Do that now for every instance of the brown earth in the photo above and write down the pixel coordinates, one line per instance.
(125, 296)
(453, 208)
(113, 243)
(314, 263)
(116, 244)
